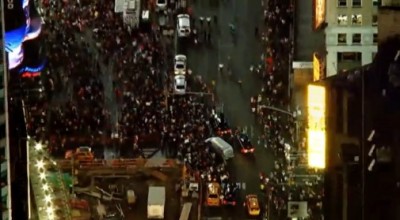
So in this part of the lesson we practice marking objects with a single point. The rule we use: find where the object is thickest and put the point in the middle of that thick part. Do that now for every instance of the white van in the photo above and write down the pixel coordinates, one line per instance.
(221, 146)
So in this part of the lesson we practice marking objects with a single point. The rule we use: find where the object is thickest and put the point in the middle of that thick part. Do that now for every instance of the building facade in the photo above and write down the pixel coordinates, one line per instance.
(351, 34)
(4, 181)
(4, 152)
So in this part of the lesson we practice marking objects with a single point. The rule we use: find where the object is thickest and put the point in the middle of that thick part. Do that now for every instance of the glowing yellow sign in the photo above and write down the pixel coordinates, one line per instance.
(316, 135)
(319, 13)
(316, 68)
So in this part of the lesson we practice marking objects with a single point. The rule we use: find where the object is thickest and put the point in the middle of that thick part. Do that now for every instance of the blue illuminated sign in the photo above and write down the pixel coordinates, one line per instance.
(18, 29)
(38, 68)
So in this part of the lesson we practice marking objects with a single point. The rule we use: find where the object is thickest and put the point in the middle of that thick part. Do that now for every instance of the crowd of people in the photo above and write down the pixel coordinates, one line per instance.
(83, 42)
(290, 180)
(147, 114)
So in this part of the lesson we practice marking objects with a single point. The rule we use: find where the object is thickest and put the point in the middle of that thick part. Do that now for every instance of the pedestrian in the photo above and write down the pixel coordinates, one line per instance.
(201, 19)
(208, 22)
(220, 68)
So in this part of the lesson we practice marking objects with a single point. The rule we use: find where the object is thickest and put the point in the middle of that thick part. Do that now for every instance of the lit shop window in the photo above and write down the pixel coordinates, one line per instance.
(342, 38)
(356, 19)
(342, 19)
(356, 39)
(342, 3)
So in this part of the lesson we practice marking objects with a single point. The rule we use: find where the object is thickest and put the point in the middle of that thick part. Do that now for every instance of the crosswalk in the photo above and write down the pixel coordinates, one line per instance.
(240, 185)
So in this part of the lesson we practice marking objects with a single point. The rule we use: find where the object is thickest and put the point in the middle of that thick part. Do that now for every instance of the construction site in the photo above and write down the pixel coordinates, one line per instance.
(80, 187)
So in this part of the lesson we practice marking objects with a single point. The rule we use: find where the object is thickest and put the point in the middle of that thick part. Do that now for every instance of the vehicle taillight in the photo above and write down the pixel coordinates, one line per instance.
(224, 202)
(234, 203)
(252, 150)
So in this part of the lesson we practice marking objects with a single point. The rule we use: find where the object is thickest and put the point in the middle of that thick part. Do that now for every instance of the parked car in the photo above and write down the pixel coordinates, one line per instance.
(180, 64)
(244, 143)
(183, 25)
(180, 84)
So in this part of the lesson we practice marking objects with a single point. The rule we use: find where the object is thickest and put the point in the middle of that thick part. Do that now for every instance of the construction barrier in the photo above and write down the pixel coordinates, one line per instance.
(116, 164)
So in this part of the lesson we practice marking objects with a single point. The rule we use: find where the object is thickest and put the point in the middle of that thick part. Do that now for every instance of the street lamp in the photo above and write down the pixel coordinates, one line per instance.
(40, 164)
(38, 146)
(42, 175)
(47, 199)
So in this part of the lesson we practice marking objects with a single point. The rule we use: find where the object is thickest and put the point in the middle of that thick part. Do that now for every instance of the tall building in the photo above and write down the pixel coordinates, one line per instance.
(4, 154)
(351, 34)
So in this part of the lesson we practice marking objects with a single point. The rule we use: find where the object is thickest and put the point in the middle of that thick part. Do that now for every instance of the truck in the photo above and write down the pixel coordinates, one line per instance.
(156, 202)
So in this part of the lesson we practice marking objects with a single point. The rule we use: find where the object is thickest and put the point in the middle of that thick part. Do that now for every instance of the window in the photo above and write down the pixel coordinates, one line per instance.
(374, 20)
(356, 19)
(356, 39)
(375, 38)
(356, 3)
(375, 2)
(342, 3)
(342, 38)
(342, 19)
(348, 56)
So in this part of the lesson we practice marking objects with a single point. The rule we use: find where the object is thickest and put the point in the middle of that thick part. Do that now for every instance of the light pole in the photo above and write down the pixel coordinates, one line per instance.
(362, 145)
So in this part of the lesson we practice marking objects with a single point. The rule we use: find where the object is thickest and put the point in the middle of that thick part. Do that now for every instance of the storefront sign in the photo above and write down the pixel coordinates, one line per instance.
(319, 13)
(316, 134)
(316, 68)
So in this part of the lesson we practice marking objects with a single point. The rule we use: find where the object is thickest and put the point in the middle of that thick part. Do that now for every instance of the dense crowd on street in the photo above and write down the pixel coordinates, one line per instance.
(85, 38)
(287, 182)
(178, 123)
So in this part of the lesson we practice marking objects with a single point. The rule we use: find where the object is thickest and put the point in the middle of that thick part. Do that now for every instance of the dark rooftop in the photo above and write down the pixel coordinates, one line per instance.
(382, 114)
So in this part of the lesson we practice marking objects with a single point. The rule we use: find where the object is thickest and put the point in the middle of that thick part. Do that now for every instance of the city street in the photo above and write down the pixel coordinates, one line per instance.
(239, 56)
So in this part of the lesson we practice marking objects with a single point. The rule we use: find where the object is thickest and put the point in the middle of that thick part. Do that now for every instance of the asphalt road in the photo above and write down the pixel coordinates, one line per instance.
(243, 53)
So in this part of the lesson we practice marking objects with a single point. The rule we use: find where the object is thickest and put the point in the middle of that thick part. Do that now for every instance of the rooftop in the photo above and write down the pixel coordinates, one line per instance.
(382, 115)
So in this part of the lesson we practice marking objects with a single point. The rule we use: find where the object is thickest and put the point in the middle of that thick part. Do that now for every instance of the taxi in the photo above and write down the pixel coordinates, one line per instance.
(252, 205)
(81, 154)
(213, 194)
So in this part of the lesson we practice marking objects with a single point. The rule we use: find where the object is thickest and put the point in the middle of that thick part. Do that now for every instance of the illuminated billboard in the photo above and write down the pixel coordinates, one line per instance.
(316, 133)
(35, 57)
(319, 8)
(20, 26)
(316, 68)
